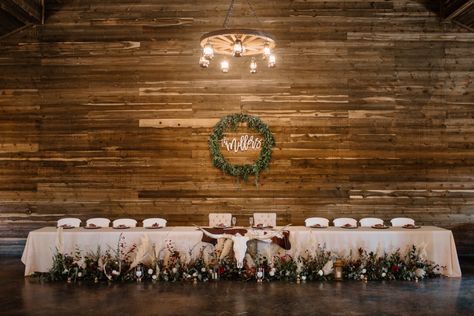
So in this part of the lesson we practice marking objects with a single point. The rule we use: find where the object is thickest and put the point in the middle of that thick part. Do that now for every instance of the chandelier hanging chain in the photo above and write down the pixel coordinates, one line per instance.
(229, 14)
(252, 11)
(230, 10)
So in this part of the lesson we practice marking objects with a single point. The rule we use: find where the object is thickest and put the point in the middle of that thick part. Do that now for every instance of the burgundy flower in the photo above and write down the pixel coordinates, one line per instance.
(221, 270)
(394, 269)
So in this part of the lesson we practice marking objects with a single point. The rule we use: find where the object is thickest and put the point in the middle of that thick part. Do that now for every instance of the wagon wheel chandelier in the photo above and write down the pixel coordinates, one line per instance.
(237, 43)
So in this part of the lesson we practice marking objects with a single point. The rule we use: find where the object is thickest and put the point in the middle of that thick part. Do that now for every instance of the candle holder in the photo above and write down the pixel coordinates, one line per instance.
(139, 272)
(260, 275)
(338, 270)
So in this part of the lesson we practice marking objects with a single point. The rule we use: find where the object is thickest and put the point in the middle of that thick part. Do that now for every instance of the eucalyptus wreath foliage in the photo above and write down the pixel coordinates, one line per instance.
(231, 122)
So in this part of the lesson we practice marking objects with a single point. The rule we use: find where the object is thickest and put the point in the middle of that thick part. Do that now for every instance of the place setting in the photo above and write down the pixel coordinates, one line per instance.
(349, 226)
(154, 226)
(380, 226)
(92, 226)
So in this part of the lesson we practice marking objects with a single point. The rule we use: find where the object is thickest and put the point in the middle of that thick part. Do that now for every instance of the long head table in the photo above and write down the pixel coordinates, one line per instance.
(438, 242)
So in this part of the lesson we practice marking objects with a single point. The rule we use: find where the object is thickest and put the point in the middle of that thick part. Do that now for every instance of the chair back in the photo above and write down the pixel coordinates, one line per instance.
(149, 222)
(219, 219)
(370, 221)
(130, 222)
(401, 221)
(98, 221)
(70, 221)
(264, 219)
(324, 222)
(341, 221)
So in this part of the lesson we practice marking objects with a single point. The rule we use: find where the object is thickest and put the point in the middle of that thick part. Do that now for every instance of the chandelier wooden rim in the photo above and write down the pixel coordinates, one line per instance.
(222, 41)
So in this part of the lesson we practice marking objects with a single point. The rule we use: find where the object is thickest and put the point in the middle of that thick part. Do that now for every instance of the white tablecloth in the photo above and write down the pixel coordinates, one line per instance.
(439, 243)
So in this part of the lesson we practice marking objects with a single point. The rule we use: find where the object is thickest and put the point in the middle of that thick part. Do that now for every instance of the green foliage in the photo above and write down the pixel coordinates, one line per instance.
(313, 263)
(114, 266)
(231, 123)
(369, 266)
(285, 268)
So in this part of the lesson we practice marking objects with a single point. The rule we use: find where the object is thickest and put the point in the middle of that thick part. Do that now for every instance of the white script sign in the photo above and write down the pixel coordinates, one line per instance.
(245, 143)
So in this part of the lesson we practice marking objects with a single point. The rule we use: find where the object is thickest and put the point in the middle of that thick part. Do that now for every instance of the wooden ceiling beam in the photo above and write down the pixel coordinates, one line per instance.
(461, 9)
(22, 13)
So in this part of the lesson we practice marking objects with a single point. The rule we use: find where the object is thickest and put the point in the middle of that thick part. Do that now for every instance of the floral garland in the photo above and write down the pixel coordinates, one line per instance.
(241, 171)
(124, 265)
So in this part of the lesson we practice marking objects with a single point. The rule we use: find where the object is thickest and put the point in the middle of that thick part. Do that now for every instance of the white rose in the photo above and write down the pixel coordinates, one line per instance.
(362, 277)
(303, 277)
(320, 272)
(174, 270)
(65, 271)
(364, 271)
(384, 274)
(79, 274)
(272, 272)
(195, 274)
(154, 277)
(287, 273)
(420, 273)
(150, 271)
(115, 272)
(203, 269)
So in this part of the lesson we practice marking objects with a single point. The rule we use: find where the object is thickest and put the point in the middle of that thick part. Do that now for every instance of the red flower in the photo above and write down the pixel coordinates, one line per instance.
(394, 269)
(221, 270)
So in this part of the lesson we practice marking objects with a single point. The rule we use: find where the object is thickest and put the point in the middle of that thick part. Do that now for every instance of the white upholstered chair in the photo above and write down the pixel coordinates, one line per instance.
(124, 221)
(149, 222)
(98, 221)
(324, 222)
(264, 219)
(370, 221)
(401, 221)
(69, 221)
(341, 221)
(219, 219)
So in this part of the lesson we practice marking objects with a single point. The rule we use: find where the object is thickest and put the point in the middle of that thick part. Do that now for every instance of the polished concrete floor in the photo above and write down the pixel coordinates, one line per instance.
(444, 296)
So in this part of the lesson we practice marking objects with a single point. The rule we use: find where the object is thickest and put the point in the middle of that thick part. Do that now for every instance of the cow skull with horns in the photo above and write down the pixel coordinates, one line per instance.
(240, 241)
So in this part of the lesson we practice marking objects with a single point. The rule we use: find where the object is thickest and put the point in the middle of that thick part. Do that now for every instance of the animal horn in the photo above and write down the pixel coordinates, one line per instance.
(214, 236)
(272, 234)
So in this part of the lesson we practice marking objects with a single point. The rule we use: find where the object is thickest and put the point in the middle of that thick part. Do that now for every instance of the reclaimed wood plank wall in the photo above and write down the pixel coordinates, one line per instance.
(104, 111)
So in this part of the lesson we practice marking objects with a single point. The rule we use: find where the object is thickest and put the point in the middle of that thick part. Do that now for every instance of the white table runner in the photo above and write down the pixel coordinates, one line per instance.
(439, 243)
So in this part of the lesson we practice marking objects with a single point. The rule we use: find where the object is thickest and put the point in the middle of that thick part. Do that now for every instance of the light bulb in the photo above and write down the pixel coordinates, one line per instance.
(271, 61)
(266, 50)
(253, 66)
(203, 62)
(208, 51)
(238, 48)
(225, 66)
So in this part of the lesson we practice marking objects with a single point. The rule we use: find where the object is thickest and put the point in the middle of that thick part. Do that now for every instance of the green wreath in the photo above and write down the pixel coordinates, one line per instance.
(241, 171)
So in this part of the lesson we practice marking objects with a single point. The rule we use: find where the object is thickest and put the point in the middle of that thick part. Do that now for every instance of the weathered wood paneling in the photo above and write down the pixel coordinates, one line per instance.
(104, 111)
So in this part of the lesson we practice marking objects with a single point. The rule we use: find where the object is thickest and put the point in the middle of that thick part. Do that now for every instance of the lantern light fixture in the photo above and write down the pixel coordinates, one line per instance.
(253, 66)
(271, 61)
(224, 66)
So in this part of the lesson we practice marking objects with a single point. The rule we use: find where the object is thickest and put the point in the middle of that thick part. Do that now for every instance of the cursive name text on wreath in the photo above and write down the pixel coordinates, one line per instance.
(244, 143)
(264, 142)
